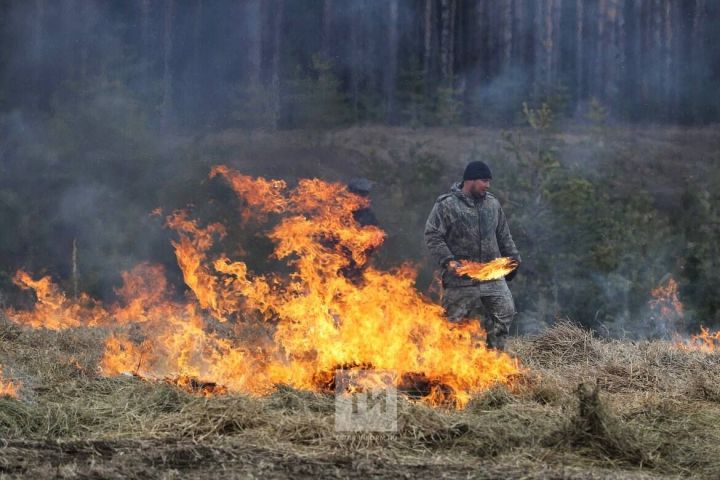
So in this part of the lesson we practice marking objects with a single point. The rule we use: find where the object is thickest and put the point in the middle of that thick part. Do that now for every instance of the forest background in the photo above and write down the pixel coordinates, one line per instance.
(596, 116)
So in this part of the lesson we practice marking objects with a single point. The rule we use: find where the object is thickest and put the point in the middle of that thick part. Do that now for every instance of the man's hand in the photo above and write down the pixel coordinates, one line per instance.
(509, 277)
(453, 265)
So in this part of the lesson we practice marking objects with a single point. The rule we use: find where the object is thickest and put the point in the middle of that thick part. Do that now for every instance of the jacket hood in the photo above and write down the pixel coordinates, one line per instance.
(456, 190)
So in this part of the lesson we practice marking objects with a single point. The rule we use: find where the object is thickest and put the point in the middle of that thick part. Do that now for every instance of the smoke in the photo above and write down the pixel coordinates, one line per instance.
(104, 109)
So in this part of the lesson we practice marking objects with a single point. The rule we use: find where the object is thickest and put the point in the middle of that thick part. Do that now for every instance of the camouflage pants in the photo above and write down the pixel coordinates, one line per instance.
(491, 300)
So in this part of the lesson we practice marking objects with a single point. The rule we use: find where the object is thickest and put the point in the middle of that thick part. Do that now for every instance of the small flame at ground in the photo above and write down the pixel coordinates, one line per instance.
(8, 388)
(492, 270)
(667, 314)
(705, 341)
(244, 332)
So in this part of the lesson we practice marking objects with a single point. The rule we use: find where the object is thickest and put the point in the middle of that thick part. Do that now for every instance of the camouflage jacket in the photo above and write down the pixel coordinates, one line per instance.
(460, 227)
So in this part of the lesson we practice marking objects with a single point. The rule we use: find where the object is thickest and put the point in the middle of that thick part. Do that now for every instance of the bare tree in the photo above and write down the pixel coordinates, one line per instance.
(507, 33)
(327, 26)
(579, 41)
(167, 84)
(197, 38)
(277, 45)
(445, 39)
(427, 38)
(38, 41)
(145, 26)
(697, 50)
(390, 72)
(253, 22)
(669, 74)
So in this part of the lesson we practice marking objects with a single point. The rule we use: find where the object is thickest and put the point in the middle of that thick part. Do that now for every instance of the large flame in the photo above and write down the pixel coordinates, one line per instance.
(332, 311)
(492, 270)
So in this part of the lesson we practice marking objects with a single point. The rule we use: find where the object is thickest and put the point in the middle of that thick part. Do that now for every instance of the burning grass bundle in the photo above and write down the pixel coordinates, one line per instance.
(492, 270)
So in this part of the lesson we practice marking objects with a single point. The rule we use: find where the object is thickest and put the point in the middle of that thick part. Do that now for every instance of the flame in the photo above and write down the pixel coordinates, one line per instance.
(665, 301)
(244, 332)
(8, 388)
(53, 310)
(492, 270)
(666, 312)
(705, 341)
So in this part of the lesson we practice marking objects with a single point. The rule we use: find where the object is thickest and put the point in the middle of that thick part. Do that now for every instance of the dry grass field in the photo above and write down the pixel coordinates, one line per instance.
(584, 407)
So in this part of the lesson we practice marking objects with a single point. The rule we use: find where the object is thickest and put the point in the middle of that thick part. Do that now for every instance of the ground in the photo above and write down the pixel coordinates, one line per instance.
(584, 408)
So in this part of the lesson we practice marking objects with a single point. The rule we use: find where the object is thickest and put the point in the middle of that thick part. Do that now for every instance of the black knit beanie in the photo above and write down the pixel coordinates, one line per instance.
(475, 170)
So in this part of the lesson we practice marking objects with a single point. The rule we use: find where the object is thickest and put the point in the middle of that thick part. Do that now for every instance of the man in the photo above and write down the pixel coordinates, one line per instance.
(468, 223)
(363, 216)
(362, 186)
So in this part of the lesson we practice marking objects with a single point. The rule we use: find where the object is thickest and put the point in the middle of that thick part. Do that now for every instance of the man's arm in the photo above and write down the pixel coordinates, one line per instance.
(504, 239)
(435, 231)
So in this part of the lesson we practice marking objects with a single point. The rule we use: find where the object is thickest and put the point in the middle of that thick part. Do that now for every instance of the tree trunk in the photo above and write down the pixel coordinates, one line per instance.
(327, 26)
(519, 30)
(602, 44)
(579, 51)
(390, 71)
(197, 38)
(453, 36)
(493, 32)
(611, 55)
(507, 34)
(38, 46)
(354, 65)
(483, 42)
(253, 22)
(69, 20)
(445, 40)
(144, 28)
(697, 55)
(538, 9)
(545, 48)
(167, 67)
(658, 38)
(277, 45)
(555, 14)
(621, 50)
(668, 61)
(427, 43)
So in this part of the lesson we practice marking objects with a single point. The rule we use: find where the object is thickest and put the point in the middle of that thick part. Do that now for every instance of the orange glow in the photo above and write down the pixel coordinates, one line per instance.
(8, 388)
(492, 270)
(705, 341)
(244, 332)
(53, 310)
(665, 302)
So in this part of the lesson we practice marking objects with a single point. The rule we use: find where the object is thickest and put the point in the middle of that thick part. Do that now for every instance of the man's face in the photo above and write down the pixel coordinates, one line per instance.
(479, 187)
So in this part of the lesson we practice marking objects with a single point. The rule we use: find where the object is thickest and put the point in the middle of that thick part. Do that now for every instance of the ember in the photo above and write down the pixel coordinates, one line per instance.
(289, 330)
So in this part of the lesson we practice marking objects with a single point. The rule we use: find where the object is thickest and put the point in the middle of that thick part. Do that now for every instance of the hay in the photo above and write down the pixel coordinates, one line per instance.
(564, 344)
(496, 396)
(650, 406)
(601, 432)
